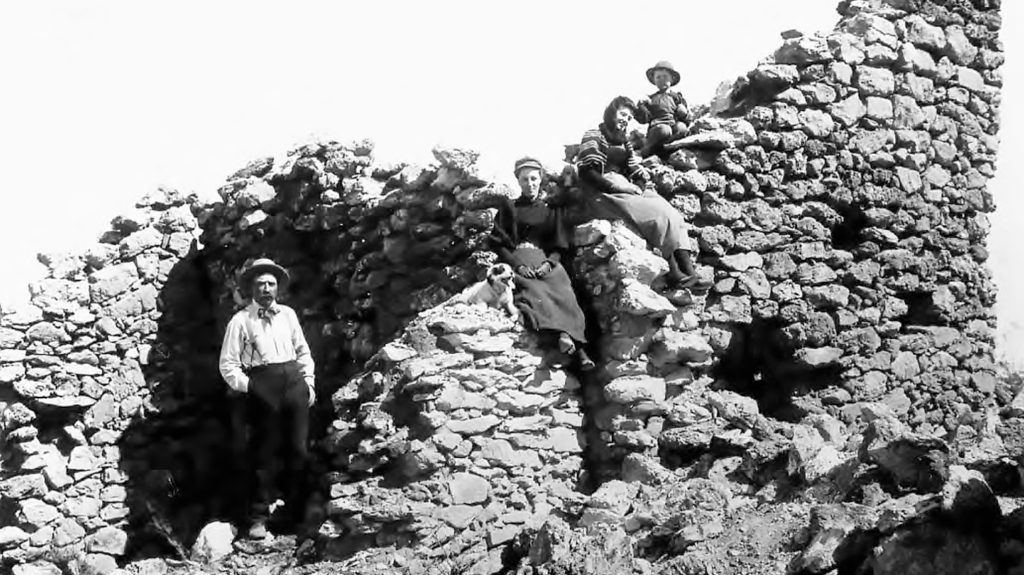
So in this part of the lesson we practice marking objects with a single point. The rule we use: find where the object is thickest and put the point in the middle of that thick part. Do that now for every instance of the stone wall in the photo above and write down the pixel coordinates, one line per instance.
(838, 199)
(75, 386)
(862, 197)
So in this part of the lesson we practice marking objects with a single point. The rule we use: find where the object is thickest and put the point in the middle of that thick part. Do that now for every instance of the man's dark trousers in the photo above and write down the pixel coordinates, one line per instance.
(277, 410)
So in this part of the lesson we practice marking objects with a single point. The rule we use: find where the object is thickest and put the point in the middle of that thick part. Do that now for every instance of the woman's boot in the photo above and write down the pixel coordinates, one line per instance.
(688, 277)
(565, 343)
(675, 277)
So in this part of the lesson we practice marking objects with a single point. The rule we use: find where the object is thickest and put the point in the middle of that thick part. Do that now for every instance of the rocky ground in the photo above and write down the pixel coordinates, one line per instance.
(890, 501)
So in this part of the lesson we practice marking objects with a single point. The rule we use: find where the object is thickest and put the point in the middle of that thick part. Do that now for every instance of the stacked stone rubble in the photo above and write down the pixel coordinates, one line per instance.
(474, 437)
(650, 343)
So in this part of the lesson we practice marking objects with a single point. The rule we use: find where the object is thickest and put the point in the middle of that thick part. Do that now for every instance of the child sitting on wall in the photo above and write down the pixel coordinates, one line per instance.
(666, 111)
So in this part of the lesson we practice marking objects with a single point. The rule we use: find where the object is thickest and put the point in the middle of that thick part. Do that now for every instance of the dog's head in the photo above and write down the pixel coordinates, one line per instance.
(499, 274)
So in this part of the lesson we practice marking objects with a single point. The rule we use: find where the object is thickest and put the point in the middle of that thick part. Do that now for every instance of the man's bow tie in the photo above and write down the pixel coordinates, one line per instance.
(266, 312)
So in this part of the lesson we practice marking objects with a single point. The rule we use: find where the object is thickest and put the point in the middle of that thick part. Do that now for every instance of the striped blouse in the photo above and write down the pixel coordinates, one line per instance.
(593, 152)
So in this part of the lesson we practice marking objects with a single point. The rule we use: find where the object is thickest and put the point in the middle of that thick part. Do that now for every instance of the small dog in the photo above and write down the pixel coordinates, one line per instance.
(495, 290)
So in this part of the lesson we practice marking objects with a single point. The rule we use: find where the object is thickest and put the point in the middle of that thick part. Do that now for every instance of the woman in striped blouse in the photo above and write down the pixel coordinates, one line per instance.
(617, 187)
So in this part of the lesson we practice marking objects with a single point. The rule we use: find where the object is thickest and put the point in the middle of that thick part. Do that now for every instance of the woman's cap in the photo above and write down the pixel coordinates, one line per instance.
(527, 162)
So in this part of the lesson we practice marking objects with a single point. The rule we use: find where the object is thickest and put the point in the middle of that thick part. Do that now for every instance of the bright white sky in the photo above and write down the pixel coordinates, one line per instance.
(102, 101)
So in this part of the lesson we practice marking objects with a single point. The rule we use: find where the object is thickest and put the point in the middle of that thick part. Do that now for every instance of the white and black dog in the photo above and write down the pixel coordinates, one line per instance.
(495, 290)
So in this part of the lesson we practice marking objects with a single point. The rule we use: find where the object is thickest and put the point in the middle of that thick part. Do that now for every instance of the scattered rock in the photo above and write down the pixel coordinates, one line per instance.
(97, 564)
(467, 488)
(214, 542)
(109, 540)
(36, 568)
(832, 534)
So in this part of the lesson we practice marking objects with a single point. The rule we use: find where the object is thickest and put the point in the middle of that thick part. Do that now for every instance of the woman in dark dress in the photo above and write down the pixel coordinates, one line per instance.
(617, 189)
(532, 237)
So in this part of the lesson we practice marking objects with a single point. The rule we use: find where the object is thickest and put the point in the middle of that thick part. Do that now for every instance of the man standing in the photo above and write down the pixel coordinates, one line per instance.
(265, 356)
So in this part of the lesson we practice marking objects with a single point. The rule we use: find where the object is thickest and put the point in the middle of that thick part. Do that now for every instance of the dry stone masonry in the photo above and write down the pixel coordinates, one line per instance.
(840, 208)
(470, 422)
(827, 406)
(74, 384)
(846, 220)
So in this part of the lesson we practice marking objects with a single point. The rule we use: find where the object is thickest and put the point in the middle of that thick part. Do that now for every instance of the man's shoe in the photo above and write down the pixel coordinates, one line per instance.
(258, 530)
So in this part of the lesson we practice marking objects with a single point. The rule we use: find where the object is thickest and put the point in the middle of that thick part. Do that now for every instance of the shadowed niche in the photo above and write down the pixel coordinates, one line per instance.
(185, 460)
(760, 363)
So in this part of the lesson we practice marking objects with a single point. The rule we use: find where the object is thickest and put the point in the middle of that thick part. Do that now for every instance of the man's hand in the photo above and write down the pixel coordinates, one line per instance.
(543, 269)
(312, 395)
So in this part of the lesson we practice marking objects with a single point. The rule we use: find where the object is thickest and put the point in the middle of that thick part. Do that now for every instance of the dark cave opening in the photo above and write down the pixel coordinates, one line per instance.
(183, 460)
(760, 363)
(846, 235)
(921, 309)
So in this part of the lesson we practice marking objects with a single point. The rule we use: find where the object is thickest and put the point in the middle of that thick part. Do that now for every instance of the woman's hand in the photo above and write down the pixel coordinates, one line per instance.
(526, 271)
(642, 173)
(621, 185)
(543, 269)
(637, 168)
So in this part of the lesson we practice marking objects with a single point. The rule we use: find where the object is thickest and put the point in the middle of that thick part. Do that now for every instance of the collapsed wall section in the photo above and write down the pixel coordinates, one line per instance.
(119, 437)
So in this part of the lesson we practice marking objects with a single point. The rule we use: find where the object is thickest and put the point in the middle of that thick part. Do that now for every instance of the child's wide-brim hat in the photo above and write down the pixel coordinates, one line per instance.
(263, 266)
(666, 66)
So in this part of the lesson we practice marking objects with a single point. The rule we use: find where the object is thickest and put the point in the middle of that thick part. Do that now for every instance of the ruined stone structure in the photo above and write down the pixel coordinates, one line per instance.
(840, 367)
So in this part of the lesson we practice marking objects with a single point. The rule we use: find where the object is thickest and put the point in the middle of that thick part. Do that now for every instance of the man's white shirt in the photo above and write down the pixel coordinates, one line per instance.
(251, 340)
